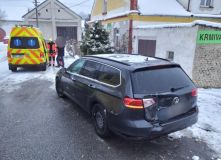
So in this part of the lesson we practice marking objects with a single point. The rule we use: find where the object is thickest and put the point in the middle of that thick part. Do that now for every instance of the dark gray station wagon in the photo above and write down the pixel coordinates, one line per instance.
(131, 95)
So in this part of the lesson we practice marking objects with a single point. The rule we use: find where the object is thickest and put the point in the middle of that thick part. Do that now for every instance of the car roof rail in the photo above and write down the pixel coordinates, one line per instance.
(109, 59)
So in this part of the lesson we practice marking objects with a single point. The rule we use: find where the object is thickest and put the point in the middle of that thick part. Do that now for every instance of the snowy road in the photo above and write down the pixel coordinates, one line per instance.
(35, 123)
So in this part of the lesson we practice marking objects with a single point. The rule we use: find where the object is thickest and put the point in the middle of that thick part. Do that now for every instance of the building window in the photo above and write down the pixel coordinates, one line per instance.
(104, 7)
(170, 55)
(116, 38)
(206, 3)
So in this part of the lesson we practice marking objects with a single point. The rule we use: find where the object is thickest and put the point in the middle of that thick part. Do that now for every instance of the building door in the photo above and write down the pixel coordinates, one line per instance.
(67, 32)
(147, 47)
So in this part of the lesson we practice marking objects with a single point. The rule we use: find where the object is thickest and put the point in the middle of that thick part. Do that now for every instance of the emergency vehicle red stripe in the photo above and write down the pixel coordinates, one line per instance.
(19, 32)
(18, 61)
(30, 34)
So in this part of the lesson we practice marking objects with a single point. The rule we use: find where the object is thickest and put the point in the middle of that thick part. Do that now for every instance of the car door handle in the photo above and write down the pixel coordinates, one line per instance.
(91, 86)
(73, 78)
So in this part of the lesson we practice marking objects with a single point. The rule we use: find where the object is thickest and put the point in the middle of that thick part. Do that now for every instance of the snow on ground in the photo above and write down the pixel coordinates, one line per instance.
(3, 52)
(10, 81)
(207, 129)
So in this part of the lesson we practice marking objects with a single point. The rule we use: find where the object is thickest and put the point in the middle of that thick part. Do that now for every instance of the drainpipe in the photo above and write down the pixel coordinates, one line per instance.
(188, 8)
(133, 6)
(130, 41)
(53, 19)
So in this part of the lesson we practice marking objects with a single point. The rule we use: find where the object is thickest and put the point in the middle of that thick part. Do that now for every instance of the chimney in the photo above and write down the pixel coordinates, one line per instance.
(133, 4)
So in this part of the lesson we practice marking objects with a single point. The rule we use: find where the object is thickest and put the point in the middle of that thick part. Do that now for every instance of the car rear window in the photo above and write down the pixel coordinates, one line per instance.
(24, 43)
(159, 80)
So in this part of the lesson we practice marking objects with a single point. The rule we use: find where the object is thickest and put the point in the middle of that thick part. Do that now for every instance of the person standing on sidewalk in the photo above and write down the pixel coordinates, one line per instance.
(60, 42)
(52, 50)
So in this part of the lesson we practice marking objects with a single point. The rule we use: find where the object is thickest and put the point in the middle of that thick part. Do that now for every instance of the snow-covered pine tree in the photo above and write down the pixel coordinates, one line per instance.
(96, 40)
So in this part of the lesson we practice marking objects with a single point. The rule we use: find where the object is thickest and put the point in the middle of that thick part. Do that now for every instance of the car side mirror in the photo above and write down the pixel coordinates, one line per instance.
(65, 70)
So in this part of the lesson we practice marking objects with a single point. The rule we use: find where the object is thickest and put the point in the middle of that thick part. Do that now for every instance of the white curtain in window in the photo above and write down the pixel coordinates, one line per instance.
(202, 2)
(208, 2)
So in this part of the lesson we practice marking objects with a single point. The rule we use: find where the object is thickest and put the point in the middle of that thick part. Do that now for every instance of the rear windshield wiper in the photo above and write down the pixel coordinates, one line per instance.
(178, 88)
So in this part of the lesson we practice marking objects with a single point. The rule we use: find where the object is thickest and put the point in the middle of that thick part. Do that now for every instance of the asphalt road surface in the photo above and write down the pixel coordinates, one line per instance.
(37, 125)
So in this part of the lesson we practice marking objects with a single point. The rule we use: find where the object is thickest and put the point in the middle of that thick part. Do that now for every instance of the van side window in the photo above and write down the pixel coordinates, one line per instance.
(90, 69)
(76, 66)
(109, 75)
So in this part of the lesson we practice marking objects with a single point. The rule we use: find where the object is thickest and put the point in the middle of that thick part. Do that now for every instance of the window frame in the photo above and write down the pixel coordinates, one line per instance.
(171, 55)
(108, 66)
(95, 80)
(74, 63)
(204, 5)
(104, 7)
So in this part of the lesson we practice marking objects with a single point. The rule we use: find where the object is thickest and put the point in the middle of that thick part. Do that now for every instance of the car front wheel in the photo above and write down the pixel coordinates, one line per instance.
(59, 89)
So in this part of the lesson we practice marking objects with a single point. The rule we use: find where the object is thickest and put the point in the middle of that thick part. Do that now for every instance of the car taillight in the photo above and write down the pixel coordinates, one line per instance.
(133, 103)
(41, 54)
(194, 92)
(8, 54)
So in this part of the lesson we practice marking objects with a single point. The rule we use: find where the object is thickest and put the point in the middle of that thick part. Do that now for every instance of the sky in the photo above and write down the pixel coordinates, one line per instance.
(15, 8)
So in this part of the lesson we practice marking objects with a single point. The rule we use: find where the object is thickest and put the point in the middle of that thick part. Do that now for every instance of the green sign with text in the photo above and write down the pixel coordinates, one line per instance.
(209, 37)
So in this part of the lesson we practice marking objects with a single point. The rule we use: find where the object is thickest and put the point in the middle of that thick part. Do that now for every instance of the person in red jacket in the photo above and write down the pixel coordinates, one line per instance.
(52, 52)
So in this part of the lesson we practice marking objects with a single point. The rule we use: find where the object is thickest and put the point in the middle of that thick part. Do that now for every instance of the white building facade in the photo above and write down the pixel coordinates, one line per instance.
(55, 19)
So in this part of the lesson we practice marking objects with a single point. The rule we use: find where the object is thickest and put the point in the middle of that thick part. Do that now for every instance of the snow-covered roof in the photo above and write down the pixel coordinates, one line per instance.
(178, 25)
(161, 7)
(112, 14)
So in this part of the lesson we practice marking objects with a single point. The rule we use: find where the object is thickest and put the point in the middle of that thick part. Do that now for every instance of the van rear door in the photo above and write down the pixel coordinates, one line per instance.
(172, 91)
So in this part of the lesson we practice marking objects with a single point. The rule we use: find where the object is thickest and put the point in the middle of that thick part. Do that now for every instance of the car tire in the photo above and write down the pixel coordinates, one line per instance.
(59, 89)
(99, 117)
(13, 68)
(44, 67)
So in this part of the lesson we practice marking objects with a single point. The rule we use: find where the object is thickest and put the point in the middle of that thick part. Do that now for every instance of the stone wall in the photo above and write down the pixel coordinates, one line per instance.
(207, 64)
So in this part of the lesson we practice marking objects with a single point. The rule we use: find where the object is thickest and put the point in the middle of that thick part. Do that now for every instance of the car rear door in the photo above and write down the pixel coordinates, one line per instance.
(172, 92)
(86, 83)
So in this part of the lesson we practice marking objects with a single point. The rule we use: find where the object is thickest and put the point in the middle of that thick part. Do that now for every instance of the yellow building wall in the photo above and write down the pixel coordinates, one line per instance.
(159, 19)
(115, 4)
(97, 8)
(111, 5)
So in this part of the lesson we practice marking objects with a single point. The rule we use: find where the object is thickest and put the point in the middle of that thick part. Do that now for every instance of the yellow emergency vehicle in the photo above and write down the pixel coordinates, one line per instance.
(26, 48)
